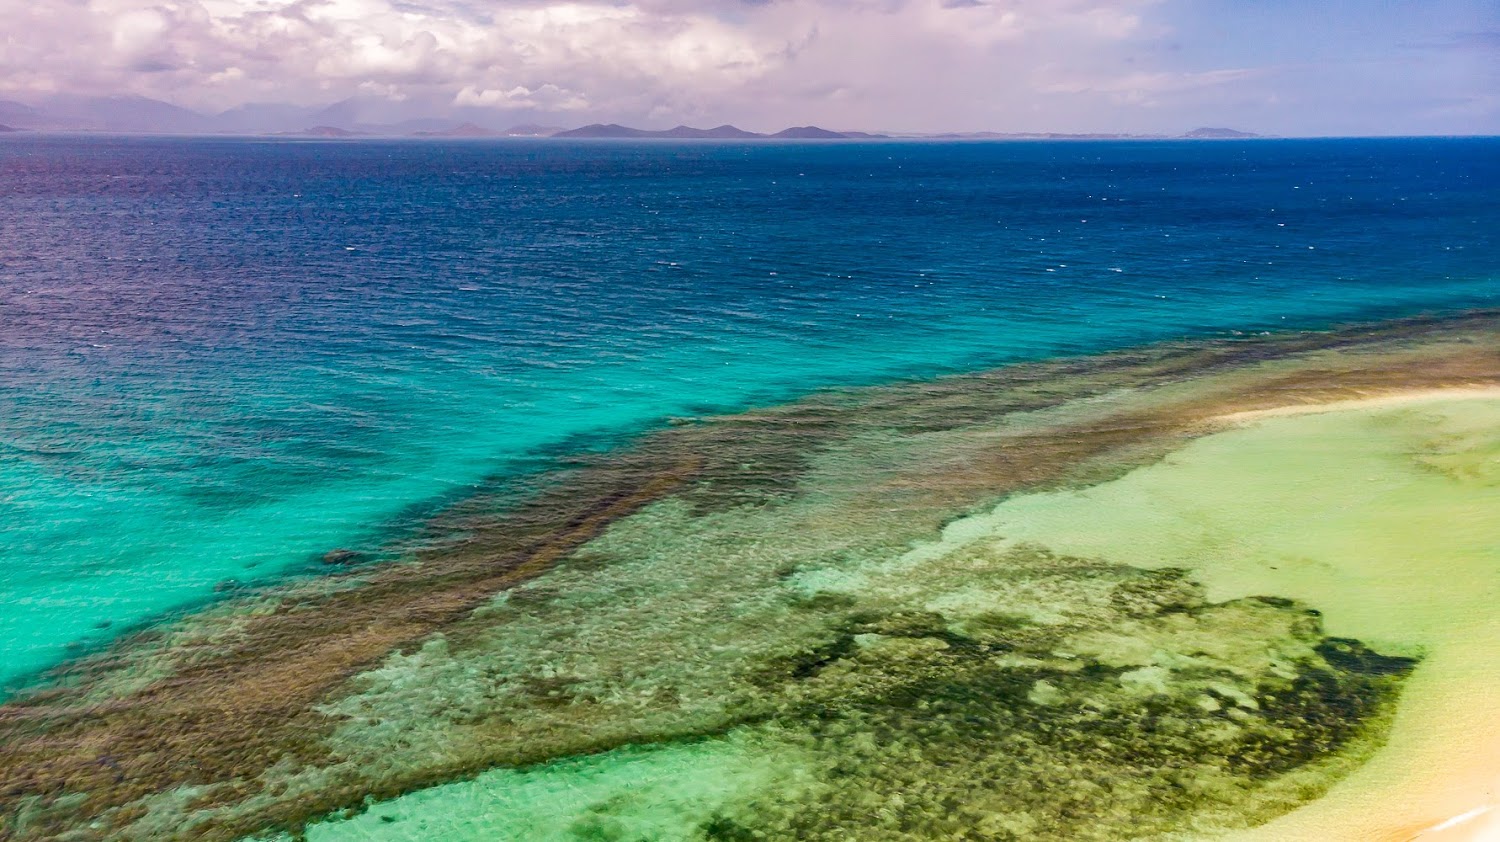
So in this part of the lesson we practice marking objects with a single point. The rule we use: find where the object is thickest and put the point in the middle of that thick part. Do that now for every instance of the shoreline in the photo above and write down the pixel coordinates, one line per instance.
(1381, 400)
(1425, 706)
(1438, 776)
(1435, 736)
(1479, 823)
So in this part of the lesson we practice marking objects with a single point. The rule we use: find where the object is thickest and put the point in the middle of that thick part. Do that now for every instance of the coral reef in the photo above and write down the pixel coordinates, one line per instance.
(750, 581)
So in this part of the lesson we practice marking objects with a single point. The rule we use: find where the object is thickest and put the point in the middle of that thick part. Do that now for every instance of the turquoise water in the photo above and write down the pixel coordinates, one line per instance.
(221, 358)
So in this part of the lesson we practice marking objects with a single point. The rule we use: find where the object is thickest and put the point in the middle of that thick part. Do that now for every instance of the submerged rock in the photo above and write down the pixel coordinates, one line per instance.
(1140, 709)
(341, 557)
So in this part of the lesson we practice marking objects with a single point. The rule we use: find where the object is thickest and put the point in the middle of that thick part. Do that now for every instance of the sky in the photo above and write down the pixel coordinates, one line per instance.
(1284, 67)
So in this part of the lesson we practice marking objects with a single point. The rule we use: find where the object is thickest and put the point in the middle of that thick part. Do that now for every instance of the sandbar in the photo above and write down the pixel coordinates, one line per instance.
(1383, 513)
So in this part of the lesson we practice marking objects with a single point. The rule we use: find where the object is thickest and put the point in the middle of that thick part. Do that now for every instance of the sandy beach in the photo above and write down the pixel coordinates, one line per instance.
(1409, 566)
(1438, 777)
(1399, 397)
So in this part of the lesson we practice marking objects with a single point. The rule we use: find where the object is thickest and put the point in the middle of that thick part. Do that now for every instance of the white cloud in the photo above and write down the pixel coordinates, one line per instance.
(545, 98)
(1151, 88)
(663, 57)
(1065, 65)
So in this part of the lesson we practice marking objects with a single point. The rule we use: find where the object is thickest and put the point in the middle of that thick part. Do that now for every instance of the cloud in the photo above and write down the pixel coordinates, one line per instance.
(546, 98)
(223, 51)
(1154, 88)
(641, 57)
(1065, 65)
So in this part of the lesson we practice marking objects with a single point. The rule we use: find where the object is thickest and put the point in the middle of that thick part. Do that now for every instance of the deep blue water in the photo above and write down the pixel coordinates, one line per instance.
(220, 358)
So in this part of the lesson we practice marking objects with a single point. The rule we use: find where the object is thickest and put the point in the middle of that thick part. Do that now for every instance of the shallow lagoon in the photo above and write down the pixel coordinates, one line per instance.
(1385, 518)
(1382, 517)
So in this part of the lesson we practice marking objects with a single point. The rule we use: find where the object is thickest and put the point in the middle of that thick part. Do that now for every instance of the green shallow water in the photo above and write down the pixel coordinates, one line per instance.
(977, 672)
(1387, 518)
(661, 794)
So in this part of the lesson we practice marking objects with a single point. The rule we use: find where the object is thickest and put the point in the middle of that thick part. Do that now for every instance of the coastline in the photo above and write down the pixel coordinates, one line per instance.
(1438, 778)
(1374, 401)
(1443, 755)
(296, 663)
(1335, 526)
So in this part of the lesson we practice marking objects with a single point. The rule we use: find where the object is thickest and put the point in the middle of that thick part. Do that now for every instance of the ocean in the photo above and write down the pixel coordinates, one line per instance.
(222, 358)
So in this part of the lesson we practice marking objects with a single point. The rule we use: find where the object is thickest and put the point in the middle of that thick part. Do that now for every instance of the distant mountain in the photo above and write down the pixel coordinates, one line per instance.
(463, 130)
(1213, 133)
(4, 128)
(122, 114)
(809, 133)
(16, 115)
(131, 114)
(259, 118)
(725, 132)
(375, 116)
(476, 130)
(608, 130)
(1040, 136)
(532, 130)
(101, 114)
(322, 131)
(615, 130)
(345, 112)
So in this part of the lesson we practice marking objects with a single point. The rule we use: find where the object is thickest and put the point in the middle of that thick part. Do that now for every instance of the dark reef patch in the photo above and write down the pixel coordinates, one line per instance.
(922, 733)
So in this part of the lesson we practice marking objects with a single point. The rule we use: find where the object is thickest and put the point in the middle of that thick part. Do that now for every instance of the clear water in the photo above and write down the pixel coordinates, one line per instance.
(1385, 518)
(221, 358)
(1350, 511)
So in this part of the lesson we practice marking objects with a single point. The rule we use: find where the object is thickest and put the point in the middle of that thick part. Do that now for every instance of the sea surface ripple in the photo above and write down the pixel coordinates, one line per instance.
(221, 358)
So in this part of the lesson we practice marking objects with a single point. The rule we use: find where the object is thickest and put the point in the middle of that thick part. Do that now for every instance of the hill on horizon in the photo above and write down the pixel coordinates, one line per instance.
(615, 130)
(809, 133)
(724, 132)
(531, 130)
(322, 131)
(461, 130)
(1210, 132)
(361, 117)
